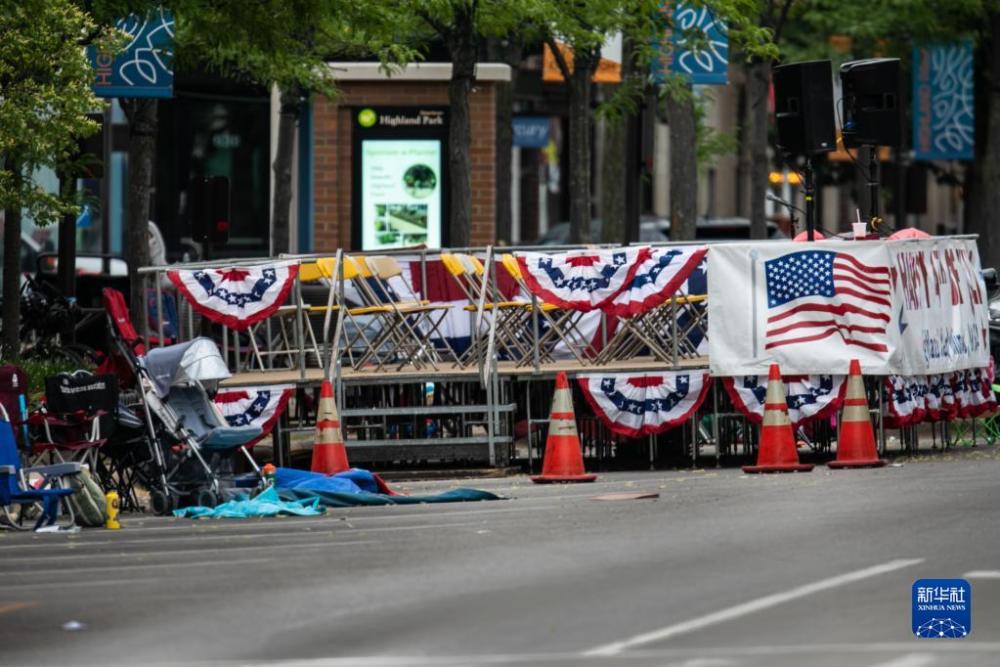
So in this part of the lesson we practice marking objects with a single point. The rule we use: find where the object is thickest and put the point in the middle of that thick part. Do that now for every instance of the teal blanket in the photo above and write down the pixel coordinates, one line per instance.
(267, 503)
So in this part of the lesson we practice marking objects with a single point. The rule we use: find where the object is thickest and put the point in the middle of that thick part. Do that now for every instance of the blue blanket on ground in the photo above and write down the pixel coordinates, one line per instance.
(357, 487)
(304, 493)
(266, 504)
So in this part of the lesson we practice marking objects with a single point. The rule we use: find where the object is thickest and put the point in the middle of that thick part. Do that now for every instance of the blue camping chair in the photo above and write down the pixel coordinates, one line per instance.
(14, 491)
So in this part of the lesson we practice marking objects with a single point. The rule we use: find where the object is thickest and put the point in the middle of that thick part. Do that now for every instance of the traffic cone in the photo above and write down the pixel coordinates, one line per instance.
(856, 438)
(563, 456)
(777, 452)
(329, 454)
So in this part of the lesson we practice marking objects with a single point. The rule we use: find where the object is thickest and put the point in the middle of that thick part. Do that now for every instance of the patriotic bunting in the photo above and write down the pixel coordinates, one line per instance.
(254, 406)
(581, 279)
(905, 400)
(236, 297)
(657, 279)
(808, 397)
(964, 394)
(635, 405)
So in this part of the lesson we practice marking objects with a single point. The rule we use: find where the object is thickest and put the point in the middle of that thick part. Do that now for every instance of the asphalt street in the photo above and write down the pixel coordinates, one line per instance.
(721, 570)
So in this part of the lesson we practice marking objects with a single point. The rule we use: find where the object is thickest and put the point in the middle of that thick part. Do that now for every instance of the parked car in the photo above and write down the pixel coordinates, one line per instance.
(653, 229)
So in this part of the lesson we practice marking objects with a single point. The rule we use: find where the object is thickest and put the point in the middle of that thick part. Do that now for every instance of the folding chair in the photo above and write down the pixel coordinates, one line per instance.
(15, 488)
(561, 332)
(285, 341)
(14, 402)
(414, 323)
(77, 418)
(511, 318)
(654, 333)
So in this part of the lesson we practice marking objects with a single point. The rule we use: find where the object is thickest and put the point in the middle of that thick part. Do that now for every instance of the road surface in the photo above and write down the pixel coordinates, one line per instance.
(721, 570)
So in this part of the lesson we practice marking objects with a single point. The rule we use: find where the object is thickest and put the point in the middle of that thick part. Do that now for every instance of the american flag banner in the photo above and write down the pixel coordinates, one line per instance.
(818, 294)
(810, 308)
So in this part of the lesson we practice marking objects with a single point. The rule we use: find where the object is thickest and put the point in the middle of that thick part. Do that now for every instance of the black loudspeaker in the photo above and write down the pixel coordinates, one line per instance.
(873, 108)
(803, 107)
(209, 209)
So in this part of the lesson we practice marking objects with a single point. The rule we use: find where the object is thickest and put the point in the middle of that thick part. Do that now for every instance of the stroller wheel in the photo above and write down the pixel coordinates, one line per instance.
(161, 503)
(206, 498)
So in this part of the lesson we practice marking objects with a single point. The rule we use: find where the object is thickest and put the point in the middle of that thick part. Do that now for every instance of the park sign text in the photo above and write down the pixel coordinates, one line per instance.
(144, 68)
(914, 307)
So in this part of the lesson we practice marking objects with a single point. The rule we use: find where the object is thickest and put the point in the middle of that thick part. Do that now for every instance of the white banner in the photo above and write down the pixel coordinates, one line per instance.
(942, 305)
(812, 307)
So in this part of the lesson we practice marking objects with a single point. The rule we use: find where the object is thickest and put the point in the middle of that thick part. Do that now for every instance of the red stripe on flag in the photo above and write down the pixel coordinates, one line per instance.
(840, 291)
(860, 275)
(863, 267)
(857, 283)
(836, 310)
(853, 328)
(877, 347)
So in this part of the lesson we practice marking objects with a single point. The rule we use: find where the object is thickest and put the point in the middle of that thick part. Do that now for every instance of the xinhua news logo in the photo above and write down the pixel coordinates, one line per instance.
(942, 608)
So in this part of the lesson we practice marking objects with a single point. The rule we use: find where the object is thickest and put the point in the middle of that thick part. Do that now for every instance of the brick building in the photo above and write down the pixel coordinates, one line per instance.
(333, 146)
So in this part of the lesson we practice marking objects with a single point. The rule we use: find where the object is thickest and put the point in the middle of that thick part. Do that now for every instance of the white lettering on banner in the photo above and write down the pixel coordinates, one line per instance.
(914, 307)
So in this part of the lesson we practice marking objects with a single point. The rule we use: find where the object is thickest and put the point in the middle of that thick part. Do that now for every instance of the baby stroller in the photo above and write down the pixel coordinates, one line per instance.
(191, 447)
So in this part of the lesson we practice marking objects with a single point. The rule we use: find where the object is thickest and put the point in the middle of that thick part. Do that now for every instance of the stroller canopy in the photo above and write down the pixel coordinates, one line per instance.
(184, 364)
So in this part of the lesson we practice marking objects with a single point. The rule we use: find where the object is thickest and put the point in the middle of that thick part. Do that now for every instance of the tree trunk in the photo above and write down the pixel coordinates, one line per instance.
(758, 78)
(281, 214)
(613, 176)
(12, 277)
(683, 166)
(462, 48)
(580, 92)
(141, 113)
(985, 199)
(510, 53)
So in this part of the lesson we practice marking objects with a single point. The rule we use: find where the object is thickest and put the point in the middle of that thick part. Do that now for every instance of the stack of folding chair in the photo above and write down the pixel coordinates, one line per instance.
(381, 320)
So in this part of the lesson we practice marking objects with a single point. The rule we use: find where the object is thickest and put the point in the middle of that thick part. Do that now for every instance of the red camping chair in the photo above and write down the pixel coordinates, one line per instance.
(76, 419)
(14, 402)
(126, 343)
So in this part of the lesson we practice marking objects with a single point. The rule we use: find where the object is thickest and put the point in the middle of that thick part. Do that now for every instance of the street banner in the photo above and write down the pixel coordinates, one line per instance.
(144, 68)
(644, 404)
(808, 397)
(581, 279)
(696, 46)
(944, 126)
(912, 307)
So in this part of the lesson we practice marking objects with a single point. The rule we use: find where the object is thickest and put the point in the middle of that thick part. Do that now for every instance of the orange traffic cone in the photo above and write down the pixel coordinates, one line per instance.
(329, 454)
(777, 452)
(855, 437)
(563, 457)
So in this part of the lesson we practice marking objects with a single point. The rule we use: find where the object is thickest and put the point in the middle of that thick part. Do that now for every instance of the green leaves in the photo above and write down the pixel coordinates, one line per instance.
(44, 97)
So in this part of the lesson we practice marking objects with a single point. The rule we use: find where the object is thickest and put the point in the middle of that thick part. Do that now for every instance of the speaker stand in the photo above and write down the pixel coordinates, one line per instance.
(873, 188)
(810, 190)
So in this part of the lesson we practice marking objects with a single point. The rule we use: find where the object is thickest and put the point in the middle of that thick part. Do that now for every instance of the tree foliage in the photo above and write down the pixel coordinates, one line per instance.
(44, 98)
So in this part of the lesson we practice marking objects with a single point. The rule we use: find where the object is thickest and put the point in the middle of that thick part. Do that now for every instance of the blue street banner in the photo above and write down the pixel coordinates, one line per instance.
(531, 131)
(696, 47)
(943, 102)
(145, 67)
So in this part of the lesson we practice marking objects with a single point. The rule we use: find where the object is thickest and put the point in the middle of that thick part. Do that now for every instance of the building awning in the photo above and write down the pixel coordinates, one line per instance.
(373, 71)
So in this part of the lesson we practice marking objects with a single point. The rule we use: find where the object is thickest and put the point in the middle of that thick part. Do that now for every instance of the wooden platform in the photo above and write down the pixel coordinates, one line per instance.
(313, 376)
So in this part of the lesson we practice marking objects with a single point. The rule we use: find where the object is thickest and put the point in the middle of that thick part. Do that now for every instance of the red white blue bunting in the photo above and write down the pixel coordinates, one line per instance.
(581, 279)
(234, 296)
(255, 406)
(808, 397)
(634, 405)
(910, 400)
(657, 279)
